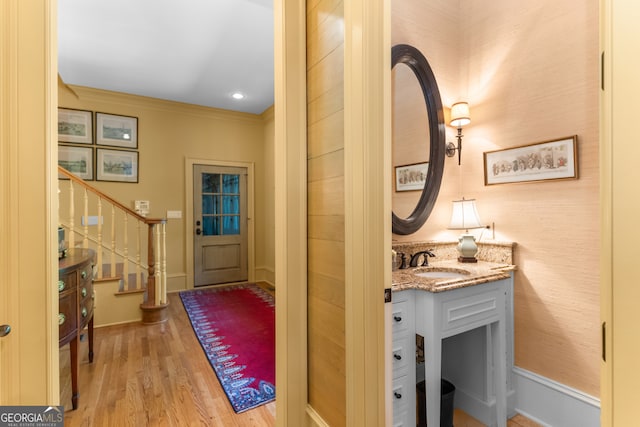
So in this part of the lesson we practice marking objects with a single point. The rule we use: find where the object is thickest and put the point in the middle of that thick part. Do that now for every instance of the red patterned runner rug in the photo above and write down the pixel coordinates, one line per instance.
(236, 328)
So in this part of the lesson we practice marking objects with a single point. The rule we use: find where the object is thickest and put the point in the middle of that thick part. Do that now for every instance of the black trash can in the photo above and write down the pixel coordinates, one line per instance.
(447, 392)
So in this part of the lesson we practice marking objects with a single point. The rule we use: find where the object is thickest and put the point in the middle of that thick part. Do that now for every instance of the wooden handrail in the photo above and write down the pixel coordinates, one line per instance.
(94, 190)
(154, 306)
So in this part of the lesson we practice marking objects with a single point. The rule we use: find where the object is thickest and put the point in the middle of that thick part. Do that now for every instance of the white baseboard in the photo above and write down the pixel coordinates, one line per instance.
(547, 402)
(484, 412)
(552, 404)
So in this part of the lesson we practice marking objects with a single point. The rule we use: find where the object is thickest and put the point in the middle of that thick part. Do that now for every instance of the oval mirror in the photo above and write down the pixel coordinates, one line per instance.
(435, 137)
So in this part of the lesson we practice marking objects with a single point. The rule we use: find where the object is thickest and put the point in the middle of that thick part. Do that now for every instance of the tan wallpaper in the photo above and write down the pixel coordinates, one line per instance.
(169, 132)
(530, 73)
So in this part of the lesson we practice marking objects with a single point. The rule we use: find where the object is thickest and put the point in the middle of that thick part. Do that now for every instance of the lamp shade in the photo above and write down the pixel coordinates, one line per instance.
(464, 215)
(460, 114)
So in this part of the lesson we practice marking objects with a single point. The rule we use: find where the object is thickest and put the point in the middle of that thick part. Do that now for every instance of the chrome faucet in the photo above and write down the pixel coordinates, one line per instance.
(416, 256)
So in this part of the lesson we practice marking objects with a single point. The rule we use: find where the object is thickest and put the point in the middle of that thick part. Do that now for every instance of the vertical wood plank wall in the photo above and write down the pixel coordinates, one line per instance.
(326, 250)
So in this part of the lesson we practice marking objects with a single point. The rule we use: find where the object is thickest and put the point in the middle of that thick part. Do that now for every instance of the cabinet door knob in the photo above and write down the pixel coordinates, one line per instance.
(84, 312)
(83, 274)
(61, 318)
(397, 318)
(397, 356)
(397, 395)
(84, 292)
(61, 285)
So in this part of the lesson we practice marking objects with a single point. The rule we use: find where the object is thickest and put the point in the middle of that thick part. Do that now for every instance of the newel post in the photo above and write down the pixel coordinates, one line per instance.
(153, 309)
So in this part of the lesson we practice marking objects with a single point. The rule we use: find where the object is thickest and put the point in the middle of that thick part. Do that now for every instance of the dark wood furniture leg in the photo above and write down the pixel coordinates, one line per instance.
(91, 340)
(73, 345)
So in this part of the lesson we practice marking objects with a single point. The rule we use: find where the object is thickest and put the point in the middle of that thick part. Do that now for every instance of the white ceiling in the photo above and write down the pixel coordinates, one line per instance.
(194, 51)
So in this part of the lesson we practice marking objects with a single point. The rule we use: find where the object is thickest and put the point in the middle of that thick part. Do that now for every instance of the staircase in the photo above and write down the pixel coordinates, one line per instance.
(130, 249)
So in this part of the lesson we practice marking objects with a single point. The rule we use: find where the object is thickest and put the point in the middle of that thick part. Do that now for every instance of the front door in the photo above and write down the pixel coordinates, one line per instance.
(220, 224)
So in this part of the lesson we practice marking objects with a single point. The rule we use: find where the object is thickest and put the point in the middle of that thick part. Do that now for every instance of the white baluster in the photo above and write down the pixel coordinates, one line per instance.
(164, 264)
(99, 247)
(113, 242)
(157, 272)
(125, 267)
(72, 214)
(85, 237)
(139, 281)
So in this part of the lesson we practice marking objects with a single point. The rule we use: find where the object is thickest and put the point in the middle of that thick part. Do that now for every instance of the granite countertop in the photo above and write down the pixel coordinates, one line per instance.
(480, 272)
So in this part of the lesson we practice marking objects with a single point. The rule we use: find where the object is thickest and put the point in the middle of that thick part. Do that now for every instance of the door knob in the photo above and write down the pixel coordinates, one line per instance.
(198, 231)
(4, 330)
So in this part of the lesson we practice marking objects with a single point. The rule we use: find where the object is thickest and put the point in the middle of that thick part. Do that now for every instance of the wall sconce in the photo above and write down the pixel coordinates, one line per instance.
(464, 217)
(459, 117)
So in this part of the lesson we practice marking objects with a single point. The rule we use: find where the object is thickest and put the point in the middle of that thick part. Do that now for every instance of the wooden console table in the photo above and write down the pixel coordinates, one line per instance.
(75, 288)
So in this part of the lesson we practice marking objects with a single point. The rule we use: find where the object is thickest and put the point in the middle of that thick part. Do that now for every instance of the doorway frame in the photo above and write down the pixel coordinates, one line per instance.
(290, 160)
(29, 372)
(188, 213)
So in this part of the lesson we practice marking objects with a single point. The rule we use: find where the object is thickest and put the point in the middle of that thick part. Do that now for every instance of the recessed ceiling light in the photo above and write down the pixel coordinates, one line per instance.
(237, 95)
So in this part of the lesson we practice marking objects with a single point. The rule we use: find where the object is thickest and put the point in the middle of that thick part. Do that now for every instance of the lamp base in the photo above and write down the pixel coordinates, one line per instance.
(467, 248)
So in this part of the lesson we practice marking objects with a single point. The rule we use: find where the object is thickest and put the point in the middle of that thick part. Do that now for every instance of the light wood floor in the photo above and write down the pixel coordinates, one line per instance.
(159, 376)
(461, 419)
(152, 376)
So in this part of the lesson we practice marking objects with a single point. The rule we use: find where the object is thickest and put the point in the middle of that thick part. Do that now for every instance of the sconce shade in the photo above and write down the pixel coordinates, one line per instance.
(464, 215)
(460, 114)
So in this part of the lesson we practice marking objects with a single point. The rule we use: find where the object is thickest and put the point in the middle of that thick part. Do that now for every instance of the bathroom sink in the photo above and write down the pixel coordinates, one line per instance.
(441, 274)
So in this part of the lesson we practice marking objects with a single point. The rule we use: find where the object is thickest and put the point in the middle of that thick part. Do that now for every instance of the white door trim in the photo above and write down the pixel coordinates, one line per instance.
(188, 226)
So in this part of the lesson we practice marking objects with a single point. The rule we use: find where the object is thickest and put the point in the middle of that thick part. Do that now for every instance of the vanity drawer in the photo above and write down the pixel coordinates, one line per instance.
(402, 355)
(470, 308)
(402, 318)
(404, 403)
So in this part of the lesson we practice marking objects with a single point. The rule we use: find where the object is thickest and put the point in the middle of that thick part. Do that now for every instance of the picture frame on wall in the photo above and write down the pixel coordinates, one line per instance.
(77, 160)
(116, 165)
(542, 161)
(411, 177)
(75, 126)
(116, 131)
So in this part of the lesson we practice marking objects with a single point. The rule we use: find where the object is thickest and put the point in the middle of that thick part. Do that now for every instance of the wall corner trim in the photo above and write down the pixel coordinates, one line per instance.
(314, 419)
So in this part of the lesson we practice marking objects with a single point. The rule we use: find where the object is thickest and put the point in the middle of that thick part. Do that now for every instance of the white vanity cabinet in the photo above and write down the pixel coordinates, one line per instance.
(478, 356)
(403, 359)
